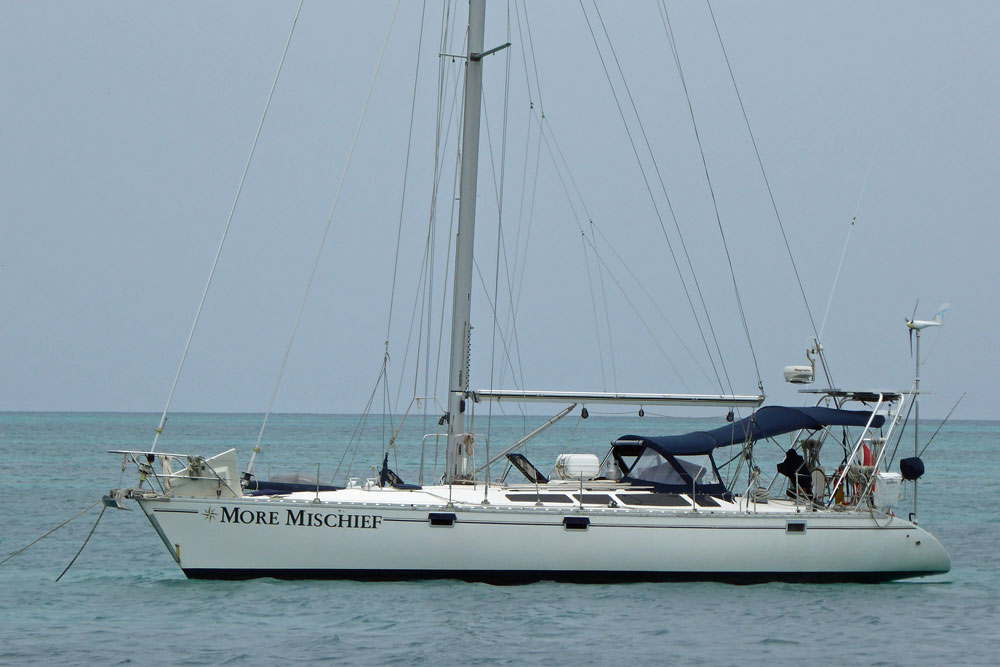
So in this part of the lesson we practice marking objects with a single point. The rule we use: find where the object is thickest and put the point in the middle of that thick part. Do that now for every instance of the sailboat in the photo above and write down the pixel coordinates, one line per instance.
(650, 508)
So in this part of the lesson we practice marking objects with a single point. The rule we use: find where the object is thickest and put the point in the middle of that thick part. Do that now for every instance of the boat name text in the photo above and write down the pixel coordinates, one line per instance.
(299, 518)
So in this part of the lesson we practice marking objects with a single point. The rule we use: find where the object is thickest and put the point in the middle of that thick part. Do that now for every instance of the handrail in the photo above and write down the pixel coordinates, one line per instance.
(158, 476)
(144, 452)
(854, 451)
(423, 444)
(885, 446)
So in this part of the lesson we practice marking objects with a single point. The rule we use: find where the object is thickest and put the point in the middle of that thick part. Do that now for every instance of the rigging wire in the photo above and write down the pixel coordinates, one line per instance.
(607, 313)
(388, 405)
(448, 254)
(387, 399)
(503, 340)
(767, 183)
(406, 173)
(520, 270)
(326, 232)
(450, 235)
(493, 302)
(416, 322)
(518, 264)
(594, 226)
(544, 122)
(621, 289)
(520, 267)
(836, 276)
(593, 304)
(502, 248)
(225, 231)
(432, 222)
(902, 429)
(439, 149)
(425, 280)
(496, 277)
(359, 428)
(659, 176)
(847, 242)
(715, 205)
(602, 263)
(531, 49)
(656, 306)
(645, 325)
(941, 425)
(649, 190)
(527, 143)
(422, 296)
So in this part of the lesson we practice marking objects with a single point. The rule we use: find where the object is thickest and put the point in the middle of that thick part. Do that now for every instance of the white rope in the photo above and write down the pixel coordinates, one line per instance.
(326, 232)
(225, 233)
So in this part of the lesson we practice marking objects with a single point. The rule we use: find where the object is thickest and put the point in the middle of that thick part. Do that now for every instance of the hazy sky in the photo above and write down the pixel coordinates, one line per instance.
(125, 128)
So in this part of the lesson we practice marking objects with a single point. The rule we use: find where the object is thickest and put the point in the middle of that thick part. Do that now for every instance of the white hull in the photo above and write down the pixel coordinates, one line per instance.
(392, 537)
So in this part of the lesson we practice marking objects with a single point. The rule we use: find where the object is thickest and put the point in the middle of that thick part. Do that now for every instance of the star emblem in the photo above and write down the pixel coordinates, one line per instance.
(209, 514)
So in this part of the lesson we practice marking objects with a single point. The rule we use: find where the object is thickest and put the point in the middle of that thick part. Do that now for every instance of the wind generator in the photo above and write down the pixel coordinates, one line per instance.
(915, 326)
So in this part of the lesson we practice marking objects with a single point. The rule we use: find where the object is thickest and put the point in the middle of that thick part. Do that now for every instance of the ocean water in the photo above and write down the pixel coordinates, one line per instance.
(125, 601)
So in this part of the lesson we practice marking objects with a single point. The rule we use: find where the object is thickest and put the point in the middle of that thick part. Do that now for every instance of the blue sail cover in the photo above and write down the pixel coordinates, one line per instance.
(764, 423)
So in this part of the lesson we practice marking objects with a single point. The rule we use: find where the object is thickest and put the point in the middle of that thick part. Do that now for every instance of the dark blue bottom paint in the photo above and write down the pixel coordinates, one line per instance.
(513, 577)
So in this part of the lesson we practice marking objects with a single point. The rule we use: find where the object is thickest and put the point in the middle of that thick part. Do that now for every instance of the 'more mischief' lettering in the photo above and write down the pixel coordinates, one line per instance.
(300, 518)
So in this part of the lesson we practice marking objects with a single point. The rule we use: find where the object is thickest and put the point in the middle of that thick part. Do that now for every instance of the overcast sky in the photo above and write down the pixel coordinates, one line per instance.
(125, 128)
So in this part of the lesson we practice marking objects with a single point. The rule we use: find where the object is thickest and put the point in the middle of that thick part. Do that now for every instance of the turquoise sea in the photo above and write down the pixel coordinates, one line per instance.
(125, 601)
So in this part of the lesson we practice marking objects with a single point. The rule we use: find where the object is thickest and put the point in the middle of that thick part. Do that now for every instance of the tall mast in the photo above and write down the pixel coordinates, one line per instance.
(461, 327)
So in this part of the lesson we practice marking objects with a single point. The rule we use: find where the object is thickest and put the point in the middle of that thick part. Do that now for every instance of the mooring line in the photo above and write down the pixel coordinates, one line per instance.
(23, 549)
(89, 535)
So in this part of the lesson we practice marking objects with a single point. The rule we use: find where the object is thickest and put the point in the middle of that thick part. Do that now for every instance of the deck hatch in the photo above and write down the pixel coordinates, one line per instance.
(596, 499)
(538, 497)
(654, 499)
